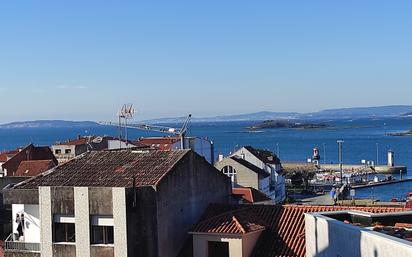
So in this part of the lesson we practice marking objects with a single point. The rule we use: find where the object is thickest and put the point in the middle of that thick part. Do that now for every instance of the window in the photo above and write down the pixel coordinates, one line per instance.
(230, 172)
(63, 232)
(102, 235)
(58, 151)
(67, 151)
(101, 230)
(218, 249)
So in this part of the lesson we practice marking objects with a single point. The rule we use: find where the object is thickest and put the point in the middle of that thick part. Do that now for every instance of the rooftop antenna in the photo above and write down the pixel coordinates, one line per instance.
(125, 113)
(179, 132)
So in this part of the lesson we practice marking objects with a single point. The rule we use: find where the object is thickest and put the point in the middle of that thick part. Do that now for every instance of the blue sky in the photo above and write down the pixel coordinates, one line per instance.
(82, 59)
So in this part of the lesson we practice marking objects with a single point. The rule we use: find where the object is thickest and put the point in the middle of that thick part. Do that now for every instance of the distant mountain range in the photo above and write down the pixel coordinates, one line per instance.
(329, 114)
(49, 124)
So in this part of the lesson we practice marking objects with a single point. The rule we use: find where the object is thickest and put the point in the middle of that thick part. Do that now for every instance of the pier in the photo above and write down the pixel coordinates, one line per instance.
(381, 183)
(383, 169)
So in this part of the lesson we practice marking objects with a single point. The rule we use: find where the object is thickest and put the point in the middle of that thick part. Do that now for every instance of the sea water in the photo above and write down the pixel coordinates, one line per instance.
(364, 139)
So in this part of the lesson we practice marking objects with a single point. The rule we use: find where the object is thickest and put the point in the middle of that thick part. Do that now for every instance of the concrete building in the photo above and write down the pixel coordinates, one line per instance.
(353, 234)
(113, 203)
(260, 169)
(65, 151)
(244, 174)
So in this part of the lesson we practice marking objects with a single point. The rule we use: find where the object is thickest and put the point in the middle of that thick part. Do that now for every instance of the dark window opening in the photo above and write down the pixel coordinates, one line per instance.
(67, 151)
(102, 235)
(58, 151)
(63, 232)
(218, 249)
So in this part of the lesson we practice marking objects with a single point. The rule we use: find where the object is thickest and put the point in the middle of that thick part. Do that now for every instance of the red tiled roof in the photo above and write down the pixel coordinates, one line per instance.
(110, 169)
(78, 141)
(30, 152)
(4, 156)
(250, 194)
(234, 222)
(33, 168)
(285, 230)
(161, 143)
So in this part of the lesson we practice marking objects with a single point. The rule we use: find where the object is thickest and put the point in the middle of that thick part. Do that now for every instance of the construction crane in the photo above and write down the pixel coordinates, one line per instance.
(181, 132)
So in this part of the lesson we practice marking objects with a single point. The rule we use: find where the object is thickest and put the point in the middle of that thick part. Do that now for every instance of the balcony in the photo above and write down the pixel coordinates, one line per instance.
(11, 244)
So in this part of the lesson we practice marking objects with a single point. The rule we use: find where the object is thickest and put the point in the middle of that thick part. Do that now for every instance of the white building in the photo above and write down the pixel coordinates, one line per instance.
(260, 169)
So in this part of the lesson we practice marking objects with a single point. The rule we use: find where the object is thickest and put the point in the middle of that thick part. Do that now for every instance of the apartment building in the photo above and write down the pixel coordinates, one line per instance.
(113, 203)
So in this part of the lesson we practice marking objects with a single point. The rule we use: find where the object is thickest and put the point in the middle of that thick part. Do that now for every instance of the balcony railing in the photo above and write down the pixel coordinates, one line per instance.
(10, 244)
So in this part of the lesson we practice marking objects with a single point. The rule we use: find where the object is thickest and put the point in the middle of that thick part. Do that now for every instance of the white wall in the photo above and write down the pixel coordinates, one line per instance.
(117, 144)
(327, 237)
(200, 244)
(31, 221)
(16, 208)
(248, 156)
(239, 246)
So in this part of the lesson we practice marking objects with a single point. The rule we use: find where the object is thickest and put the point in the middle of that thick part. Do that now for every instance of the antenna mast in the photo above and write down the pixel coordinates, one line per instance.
(125, 113)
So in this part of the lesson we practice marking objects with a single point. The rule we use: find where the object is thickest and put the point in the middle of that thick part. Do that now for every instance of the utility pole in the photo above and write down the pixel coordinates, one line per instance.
(340, 142)
(377, 154)
(277, 150)
(324, 153)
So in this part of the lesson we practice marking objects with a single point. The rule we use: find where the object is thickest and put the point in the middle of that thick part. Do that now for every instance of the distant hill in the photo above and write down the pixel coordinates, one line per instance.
(408, 114)
(362, 112)
(257, 116)
(329, 114)
(48, 124)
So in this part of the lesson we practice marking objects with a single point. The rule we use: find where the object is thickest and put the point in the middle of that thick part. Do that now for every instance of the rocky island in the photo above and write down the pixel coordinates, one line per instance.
(401, 134)
(274, 124)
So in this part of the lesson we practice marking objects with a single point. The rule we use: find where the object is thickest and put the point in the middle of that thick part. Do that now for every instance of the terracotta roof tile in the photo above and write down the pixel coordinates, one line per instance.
(161, 143)
(232, 222)
(33, 168)
(250, 194)
(109, 169)
(30, 152)
(285, 225)
(4, 156)
(1, 248)
(78, 141)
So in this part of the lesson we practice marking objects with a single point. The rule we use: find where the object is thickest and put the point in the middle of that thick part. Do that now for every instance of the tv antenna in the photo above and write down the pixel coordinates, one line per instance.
(125, 113)
(123, 125)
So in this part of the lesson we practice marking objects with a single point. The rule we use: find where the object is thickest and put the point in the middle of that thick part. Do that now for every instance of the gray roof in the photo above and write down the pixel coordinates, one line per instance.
(109, 169)
(250, 166)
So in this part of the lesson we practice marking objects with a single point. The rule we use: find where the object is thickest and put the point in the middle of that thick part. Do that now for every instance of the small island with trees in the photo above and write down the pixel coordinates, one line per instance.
(276, 124)
(401, 134)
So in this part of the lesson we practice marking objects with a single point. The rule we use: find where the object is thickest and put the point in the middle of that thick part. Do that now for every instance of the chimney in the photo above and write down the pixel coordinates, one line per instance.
(220, 157)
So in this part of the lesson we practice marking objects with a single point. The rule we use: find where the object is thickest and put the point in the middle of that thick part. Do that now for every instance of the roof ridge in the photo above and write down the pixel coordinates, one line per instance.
(238, 224)
(48, 172)
(230, 212)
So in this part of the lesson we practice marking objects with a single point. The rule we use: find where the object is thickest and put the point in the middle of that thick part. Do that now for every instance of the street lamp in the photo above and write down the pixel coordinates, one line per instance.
(377, 154)
(340, 142)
